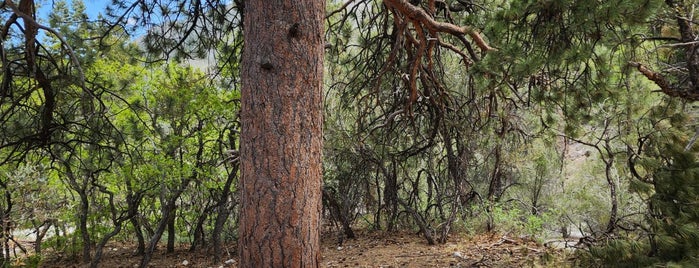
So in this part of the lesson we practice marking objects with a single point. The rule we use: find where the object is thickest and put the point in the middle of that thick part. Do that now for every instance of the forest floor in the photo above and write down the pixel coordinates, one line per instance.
(370, 249)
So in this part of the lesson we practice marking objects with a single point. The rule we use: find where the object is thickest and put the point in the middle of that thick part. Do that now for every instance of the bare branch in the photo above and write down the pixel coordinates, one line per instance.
(345, 5)
(421, 15)
(664, 85)
(680, 44)
(29, 19)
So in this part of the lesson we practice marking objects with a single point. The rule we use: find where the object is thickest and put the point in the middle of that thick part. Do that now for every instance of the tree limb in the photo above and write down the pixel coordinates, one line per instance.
(664, 85)
(30, 20)
(425, 19)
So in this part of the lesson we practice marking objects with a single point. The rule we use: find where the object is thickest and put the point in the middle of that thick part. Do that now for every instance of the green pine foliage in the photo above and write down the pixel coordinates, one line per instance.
(623, 253)
(673, 217)
(674, 210)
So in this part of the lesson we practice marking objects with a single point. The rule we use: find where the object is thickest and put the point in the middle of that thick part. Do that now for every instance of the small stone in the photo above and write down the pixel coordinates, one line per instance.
(185, 262)
(231, 261)
(339, 248)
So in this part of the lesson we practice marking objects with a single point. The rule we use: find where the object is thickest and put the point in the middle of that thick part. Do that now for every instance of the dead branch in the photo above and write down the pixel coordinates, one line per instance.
(419, 14)
(664, 85)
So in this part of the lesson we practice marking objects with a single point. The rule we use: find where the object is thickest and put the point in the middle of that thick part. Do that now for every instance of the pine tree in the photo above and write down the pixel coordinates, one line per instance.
(673, 235)
(674, 210)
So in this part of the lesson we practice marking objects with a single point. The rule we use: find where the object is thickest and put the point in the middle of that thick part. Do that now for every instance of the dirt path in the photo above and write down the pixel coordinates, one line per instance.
(409, 250)
(372, 250)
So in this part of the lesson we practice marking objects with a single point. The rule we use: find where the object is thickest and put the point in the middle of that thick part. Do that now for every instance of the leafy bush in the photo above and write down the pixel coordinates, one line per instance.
(511, 220)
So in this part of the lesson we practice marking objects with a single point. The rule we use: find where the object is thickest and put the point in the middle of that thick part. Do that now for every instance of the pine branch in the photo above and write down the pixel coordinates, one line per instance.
(418, 14)
(664, 85)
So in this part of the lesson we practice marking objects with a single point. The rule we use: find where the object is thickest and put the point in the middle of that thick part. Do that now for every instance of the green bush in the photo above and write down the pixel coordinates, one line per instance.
(508, 219)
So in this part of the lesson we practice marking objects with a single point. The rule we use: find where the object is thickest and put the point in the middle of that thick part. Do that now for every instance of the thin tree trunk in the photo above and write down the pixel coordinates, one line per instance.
(609, 163)
(41, 231)
(167, 211)
(495, 187)
(133, 201)
(281, 139)
(339, 213)
(455, 168)
(6, 224)
(141, 247)
(198, 232)
(611, 225)
(162, 224)
(170, 206)
(216, 233)
(171, 231)
(82, 226)
(390, 195)
(377, 215)
(223, 213)
(118, 223)
(84, 209)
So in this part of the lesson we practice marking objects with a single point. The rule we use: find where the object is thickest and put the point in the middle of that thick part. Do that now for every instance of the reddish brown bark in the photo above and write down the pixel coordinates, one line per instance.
(281, 139)
(420, 15)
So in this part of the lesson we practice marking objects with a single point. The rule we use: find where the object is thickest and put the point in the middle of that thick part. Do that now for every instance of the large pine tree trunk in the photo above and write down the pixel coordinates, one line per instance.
(281, 141)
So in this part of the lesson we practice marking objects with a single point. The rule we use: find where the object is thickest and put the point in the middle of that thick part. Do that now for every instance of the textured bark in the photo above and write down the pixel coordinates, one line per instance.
(281, 138)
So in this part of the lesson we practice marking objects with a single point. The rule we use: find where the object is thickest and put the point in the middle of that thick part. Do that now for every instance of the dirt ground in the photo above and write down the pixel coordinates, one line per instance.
(370, 249)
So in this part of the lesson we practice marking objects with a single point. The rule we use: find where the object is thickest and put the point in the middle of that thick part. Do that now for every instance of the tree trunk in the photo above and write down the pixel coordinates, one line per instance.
(6, 224)
(495, 187)
(171, 231)
(162, 224)
(216, 233)
(338, 212)
(198, 236)
(141, 241)
(99, 249)
(455, 168)
(41, 231)
(133, 201)
(82, 225)
(390, 195)
(609, 164)
(281, 138)
(611, 225)
(223, 212)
